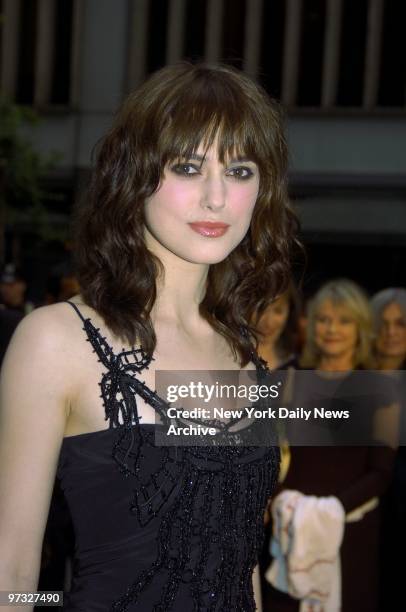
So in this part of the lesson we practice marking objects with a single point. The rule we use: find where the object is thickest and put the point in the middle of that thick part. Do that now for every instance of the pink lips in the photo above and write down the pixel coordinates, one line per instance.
(210, 229)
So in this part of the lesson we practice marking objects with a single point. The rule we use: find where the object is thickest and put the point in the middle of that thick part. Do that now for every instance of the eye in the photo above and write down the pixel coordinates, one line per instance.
(240, 172)
(185, 169)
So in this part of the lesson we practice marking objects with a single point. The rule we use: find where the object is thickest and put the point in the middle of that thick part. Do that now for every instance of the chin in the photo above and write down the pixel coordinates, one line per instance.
(333, 353)
(206, 256)
(208, 261)
(393, 353)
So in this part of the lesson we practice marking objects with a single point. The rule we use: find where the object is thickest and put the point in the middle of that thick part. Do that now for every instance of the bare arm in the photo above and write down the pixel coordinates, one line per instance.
(33, 412)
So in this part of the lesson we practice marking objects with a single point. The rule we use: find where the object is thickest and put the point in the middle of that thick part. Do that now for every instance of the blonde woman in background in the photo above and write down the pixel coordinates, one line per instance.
(339, 333)
(339, 329)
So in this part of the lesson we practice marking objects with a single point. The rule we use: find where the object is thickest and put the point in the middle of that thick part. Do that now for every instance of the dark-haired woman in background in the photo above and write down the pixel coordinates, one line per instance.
(389, 308)
(338, 341)
(184, 234)
(278, 333)
(278, 327)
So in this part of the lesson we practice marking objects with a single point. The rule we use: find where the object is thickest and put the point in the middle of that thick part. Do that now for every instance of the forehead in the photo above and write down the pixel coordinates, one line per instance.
(335, 308)
(392, 311)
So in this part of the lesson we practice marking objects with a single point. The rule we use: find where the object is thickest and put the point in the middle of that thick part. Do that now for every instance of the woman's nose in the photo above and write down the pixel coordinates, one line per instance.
(213, 194)
(387, 329)
(391, 329)
(332, 325)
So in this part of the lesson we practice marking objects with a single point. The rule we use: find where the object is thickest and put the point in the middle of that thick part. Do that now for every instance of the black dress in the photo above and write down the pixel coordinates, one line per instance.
(160, 528)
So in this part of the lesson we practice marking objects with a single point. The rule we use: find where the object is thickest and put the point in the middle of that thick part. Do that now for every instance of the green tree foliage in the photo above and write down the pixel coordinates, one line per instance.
(22, 169)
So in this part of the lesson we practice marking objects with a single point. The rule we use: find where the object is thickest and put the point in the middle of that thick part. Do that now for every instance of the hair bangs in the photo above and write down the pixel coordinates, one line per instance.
(207, 116)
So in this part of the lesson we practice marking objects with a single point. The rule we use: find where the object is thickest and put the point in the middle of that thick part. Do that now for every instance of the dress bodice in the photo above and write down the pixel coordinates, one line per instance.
(160, 528)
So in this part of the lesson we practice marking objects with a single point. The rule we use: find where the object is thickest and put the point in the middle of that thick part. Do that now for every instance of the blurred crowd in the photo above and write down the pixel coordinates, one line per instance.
(337, 522)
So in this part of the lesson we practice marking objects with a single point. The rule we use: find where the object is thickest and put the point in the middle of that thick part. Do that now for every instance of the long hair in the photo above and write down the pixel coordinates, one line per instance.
(345, 293)
(287, 342)
(167, 118)
(382, 299)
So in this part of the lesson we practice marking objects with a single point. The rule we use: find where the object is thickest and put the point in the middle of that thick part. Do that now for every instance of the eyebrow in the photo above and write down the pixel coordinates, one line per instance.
(201, 158)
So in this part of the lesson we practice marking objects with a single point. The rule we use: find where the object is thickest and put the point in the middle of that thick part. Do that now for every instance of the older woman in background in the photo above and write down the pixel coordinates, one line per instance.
(389, 308)
(339, 334)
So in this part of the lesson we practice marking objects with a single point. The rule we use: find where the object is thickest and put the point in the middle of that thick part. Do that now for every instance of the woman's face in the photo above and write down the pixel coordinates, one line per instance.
(273, 320)
(202, 209)
(391, 339)
(335, 330)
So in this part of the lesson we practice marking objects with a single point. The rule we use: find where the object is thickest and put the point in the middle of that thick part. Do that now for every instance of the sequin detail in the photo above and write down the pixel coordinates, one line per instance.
(208, 502)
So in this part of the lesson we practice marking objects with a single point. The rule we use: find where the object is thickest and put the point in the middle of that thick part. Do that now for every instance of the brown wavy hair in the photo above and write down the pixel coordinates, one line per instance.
(166, 119)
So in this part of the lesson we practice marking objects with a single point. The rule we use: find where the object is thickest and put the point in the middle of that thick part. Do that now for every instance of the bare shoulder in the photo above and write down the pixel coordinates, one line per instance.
(46, 327)
(45, 339)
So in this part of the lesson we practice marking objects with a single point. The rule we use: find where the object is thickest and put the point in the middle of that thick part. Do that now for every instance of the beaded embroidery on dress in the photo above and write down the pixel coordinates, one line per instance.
(202, 507)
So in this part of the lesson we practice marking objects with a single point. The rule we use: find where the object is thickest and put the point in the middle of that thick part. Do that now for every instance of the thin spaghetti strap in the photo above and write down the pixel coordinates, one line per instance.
(99, 343)
(77, 310)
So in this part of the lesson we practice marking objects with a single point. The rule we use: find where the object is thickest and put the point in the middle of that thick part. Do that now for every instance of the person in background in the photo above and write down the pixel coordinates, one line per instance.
(278, 330)
(12, 305)
(13, 287)
(389, 308)
(339, 333)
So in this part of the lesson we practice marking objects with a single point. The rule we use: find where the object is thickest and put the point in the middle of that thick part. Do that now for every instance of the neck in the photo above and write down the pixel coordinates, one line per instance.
(180, 289)
(335, 363)
(387, 362)
(267, 351)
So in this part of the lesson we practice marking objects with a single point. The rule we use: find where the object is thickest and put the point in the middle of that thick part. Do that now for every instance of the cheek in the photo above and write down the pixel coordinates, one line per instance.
(353, 337)
(242, 200)
(284, 319)
(318, 330)
(171, 199)
(279, 321)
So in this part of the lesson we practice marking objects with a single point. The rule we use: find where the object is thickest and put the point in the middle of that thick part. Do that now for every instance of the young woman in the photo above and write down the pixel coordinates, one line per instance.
(278, 330)
(185, 233)
(338, 342)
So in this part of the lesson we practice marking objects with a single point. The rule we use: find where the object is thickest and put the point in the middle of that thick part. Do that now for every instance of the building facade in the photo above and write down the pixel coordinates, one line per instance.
(337, 66)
